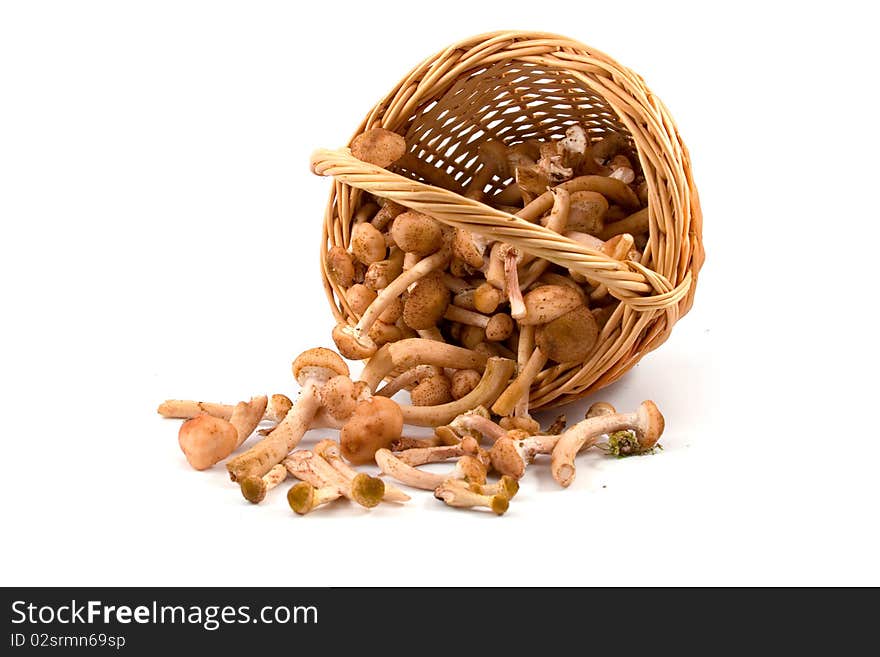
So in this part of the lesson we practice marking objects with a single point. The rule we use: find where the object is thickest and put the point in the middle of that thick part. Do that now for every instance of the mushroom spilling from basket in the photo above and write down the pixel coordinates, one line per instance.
(466, 324)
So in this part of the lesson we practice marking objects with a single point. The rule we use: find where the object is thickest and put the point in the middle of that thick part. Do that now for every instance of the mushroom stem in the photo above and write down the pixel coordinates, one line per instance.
(495, 377)
(329, 451)
(511, 454)
(360, 489)
(422, 455)
(647, 423)
(254, 489)
(405, 443)
(456, 494)
(634, 224)
(408, 378)
(466, 468)
(511, 283)
(519, 388)
(507, 486)
(185, 408)
(404, 354)
(472, 421)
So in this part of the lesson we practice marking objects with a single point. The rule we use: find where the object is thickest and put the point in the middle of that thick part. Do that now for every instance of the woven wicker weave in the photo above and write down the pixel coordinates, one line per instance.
(513, 86)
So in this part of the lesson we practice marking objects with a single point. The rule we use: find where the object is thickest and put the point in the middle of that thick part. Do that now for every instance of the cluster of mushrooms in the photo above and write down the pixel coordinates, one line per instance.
(465, 324)
(371, 425)
(406, 275)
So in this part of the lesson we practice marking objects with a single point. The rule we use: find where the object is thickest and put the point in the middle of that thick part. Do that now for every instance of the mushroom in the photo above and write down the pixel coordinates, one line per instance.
(476, 421)
(386, 214)
(646, 423)
(458, 494)
(254, 488)
(304, 497)
(515, 450)
(545, 303)
(408, 353)
(493, 156)
(622, 169)
(422, 455)
(469, 247)
(359, 298)
(353, 341)
(312, 369)
(487, 298)
(378, 146)
(503, 274)
(496, 328)
(374, 424)
(380, 274)
(185, 408)
(566, 338)
(618, 247)
(467, 468)
(206, 440)
(363, 489)
(405, 443)
(340, 268)
(587, 212)
(329, 451)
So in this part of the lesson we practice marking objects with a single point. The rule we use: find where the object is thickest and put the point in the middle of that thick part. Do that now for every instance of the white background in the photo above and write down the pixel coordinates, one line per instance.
(160, 232)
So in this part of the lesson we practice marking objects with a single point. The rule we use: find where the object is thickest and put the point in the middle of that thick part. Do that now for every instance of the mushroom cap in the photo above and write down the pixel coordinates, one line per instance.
(206, 440)
(359, 297)
(426, 302)
(494, 154)
(587, 212)
(548, 302)
(487, 298)
(318, 360)
(378, 146)
(340, 267)
(381, 333)
(463, 381)
(351, 345)
(499, 327)
(506, 458)
(279, 406)
(338, 397)
(393, 311)
(367, 243)
(375, 424)
(432, 391)
(568, 338)
(417, 233)
(600, 408)
(650, 424)
(522, 426)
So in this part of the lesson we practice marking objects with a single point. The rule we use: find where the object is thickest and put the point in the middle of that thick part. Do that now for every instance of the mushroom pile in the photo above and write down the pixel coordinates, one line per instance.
(405, 274)
(371, 424)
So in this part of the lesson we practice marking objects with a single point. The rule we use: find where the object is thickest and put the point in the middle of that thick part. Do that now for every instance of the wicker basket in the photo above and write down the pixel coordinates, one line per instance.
(513, 86)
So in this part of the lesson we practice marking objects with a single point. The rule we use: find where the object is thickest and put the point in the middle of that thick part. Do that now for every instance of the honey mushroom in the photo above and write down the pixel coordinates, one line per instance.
(206, 440)
(432, 391)
(374, 423)
(254, 488)
(276, 408)
(330, 452)
(467, 468)
(312, 369)
(646, 423)
(634, 224)
(316, 472)
(423, 455)
(456, 493)
(409, 378)
(462, 382)
(378, 146)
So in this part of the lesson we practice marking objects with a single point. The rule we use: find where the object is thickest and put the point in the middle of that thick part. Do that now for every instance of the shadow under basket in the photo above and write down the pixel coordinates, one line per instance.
(512, 87)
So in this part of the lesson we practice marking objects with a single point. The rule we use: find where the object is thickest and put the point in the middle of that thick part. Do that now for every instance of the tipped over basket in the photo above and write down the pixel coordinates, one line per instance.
(512, 87)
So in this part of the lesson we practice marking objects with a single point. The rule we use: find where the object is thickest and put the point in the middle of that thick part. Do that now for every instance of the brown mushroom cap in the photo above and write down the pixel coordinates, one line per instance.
(499, 327)
(463, 381)
(520, 426)
(318, 358)
(378, 146)
(568, 338)
(463, 247)
(338, 397)
(375, 424)
(547, 302)
(432, 391)
(472, 469)
(359, 297)
(487, 298)
(351, 345)
(340, 267)
(381, 333)
(393, 311)
(650, 424)
(426, 302)
(417, 233)
(206, 440)
(367, 243)
(506, 458)
(587, 212)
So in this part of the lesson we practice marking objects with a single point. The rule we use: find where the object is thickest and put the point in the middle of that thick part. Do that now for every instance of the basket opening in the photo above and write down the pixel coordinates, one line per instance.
(511, 101)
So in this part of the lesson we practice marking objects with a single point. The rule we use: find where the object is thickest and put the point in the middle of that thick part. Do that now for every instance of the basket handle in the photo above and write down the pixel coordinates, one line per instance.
(633, 284)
